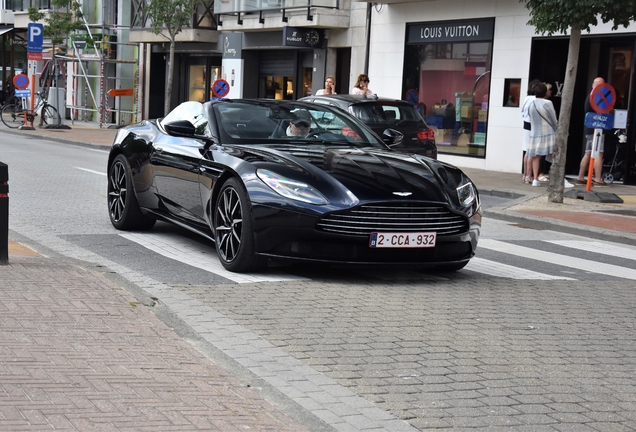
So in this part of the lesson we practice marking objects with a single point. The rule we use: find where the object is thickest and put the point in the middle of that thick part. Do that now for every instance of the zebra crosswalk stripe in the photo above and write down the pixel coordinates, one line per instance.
(563, 260)
(181, 249)
(598, 247)
(498, 269)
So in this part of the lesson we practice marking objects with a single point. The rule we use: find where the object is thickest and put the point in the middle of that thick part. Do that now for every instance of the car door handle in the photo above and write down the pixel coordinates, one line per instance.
(204, 169)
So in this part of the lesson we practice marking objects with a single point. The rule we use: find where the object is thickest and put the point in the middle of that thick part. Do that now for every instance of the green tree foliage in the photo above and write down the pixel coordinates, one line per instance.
(168, 18)
(65, 19)
(560, 16)
(557, 16)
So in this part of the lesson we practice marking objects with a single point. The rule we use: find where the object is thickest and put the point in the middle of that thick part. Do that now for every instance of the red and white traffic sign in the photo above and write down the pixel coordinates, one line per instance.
(21, 81)
(603, 98)
(220, 88)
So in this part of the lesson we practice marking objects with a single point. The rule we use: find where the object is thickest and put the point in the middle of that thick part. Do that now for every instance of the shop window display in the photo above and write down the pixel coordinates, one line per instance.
(450, 82)
(197, 82)
(277, 87)
(512, 92)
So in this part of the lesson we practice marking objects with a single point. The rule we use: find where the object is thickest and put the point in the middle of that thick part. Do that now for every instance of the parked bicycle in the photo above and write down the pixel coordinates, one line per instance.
(14, 114)
(8, 96)
(613, 165)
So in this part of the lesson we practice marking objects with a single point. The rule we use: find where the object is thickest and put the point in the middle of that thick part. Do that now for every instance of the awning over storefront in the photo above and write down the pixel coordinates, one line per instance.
(4, 30)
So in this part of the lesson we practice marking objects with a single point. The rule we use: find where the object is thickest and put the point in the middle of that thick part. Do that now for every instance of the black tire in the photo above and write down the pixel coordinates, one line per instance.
(12, 116)
(123, 207)
(233, 232)
(50, 116)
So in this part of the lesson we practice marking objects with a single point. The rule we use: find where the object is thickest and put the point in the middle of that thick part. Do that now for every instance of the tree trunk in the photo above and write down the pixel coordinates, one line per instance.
(557, 171)
(166, 105)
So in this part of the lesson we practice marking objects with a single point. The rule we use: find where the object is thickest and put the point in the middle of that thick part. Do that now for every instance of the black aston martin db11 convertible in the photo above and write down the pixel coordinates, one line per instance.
(269, 179)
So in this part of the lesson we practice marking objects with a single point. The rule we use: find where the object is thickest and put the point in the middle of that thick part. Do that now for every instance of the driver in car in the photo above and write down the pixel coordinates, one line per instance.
(298, 128)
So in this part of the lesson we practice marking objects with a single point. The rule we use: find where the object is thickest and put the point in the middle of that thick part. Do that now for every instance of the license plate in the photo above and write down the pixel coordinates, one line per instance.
(402, 239)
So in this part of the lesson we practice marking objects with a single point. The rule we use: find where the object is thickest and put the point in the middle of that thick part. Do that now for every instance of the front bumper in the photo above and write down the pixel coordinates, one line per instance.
(292, 235)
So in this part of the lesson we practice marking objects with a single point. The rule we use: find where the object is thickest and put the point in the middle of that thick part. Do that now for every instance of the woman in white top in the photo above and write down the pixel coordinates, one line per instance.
(362, 86)
(543, 127)
(527, 166)
(330, 87)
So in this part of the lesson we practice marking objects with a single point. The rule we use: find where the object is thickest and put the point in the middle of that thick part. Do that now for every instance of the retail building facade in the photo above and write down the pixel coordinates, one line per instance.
(465, 64)
(468, 65)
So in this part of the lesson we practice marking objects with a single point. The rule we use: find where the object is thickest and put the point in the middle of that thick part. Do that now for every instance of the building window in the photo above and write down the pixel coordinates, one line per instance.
(447, 66)
(512, 92)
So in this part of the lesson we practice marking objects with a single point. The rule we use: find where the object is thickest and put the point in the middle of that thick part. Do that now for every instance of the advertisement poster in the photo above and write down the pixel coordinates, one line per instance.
(232, 72)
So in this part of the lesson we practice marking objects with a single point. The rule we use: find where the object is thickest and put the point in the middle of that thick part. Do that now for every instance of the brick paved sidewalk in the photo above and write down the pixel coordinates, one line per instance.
(77, 352)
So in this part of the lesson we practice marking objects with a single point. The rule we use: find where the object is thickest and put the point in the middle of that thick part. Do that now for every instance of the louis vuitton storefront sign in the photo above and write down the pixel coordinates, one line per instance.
(451, 31)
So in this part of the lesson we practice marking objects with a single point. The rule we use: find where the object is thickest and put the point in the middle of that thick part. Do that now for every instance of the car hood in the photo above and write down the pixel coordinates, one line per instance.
(370, 174)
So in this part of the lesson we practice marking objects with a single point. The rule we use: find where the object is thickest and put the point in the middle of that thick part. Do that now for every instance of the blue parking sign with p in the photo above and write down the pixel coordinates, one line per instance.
(35, 37)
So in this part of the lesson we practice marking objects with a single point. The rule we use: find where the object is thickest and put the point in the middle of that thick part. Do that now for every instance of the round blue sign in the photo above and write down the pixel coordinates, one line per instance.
(603, 98)
(412, 97)
(220, 88)
(21, 81)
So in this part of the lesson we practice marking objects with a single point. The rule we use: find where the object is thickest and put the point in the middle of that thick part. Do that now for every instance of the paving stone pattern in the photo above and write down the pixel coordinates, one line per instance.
(79, 353)
(454, 354)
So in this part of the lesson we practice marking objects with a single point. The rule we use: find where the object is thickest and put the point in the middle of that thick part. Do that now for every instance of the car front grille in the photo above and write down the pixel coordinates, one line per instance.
(366, 219)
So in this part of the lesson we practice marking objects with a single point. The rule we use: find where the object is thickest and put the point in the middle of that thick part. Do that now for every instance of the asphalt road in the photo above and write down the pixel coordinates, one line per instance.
(537, 333)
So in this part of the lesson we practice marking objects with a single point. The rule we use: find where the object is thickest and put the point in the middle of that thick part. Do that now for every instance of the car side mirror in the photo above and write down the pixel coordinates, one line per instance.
(392, 138)
(180, 128)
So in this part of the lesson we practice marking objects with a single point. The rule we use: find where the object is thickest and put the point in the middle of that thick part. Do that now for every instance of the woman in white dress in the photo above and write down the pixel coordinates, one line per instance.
(543, 127)
(527, 166)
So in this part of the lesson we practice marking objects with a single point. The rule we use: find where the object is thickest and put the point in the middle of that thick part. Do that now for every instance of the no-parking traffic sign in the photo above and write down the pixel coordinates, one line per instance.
(21, 81)
(412, 97)
(603, 98)
(220, 88)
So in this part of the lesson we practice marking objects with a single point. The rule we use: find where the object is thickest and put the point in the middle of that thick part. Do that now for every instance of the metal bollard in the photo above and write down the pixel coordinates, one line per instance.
(4, 213)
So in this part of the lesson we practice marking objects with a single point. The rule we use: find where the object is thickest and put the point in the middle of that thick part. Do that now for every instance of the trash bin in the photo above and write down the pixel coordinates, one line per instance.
(57, 98)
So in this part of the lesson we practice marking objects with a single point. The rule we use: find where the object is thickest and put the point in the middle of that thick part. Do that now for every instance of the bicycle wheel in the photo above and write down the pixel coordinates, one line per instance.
(13, 115)
(50, 116)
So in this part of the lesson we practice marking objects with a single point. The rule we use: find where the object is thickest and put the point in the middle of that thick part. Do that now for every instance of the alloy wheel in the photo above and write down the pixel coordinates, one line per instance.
(229, 224)
(117, 191)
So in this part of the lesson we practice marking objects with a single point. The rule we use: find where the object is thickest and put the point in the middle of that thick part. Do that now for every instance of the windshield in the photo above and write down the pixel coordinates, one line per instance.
(386, 114)
(267, 122)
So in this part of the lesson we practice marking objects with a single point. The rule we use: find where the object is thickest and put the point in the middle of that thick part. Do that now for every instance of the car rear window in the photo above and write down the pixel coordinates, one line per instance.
(386, 114)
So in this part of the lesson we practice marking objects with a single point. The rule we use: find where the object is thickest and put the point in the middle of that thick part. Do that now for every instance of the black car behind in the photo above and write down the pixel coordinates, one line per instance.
(385, 116)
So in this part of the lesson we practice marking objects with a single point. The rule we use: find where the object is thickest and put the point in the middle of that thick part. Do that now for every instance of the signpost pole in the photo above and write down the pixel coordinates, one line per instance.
(32, 70)
(602, 100)
(21, 83)
(35, 38)
(598, 136)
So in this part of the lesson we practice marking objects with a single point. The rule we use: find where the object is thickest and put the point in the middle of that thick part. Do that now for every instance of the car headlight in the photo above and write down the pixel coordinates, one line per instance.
(291, 189)
(466, 193)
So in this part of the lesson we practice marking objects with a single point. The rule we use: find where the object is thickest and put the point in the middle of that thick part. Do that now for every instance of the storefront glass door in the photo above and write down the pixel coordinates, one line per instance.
(277, 87)
(200, 80)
